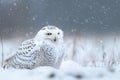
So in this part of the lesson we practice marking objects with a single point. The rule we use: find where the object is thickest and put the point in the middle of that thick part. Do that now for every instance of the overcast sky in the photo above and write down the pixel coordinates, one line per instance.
(85, 16)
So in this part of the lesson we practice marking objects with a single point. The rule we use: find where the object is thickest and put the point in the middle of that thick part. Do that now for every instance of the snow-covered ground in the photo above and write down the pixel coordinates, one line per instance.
(85, 58)
(69, 71)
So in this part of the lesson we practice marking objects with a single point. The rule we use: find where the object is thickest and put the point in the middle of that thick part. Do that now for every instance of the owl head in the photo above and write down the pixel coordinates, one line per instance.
(50, 33)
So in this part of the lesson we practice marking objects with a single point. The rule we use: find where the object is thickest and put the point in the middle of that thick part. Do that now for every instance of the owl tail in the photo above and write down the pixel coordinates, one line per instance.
(5, 63)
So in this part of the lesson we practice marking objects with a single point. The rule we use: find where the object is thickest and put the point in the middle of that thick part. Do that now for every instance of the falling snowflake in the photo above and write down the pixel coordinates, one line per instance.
(14, 4)
(34, 18)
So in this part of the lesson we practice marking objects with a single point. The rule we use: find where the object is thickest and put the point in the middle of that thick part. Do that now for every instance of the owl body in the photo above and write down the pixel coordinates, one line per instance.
(46, 49)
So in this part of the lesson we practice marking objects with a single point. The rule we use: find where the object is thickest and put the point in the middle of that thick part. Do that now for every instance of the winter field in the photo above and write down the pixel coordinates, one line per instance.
(86, 58)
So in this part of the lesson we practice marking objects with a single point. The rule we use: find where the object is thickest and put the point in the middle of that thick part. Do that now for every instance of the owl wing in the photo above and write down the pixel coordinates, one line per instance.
(24, 57)
(26, 47)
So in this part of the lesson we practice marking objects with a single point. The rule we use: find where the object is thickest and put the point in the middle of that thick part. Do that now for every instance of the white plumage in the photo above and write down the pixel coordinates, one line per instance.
(46, 49)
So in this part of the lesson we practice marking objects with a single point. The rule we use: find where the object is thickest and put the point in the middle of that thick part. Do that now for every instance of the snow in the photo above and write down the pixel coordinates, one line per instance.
(86, 64)
(69, 70)
(15, 4)
(33, 18)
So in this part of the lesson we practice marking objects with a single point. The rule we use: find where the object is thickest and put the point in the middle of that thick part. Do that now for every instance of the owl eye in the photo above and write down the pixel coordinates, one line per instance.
(58, 33)
(49, 34)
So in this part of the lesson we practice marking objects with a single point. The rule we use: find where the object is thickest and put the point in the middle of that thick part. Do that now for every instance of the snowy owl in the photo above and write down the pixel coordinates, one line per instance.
(45, 49)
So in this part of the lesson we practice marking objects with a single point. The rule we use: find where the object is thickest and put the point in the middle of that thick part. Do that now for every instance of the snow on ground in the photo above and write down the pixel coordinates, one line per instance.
(87, 59)
(69, 70)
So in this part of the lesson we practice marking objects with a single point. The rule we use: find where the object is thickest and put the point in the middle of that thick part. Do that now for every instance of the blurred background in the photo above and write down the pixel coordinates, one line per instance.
(91, 27)
(91, 17)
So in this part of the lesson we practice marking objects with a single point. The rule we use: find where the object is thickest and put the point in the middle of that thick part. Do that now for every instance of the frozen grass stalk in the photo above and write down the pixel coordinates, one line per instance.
(2, 50)
(74, 43)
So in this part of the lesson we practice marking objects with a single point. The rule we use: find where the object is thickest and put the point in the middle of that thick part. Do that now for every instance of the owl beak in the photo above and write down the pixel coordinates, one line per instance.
(55, 39)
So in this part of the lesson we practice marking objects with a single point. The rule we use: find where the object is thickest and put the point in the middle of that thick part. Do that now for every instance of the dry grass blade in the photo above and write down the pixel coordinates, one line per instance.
(2, 50)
